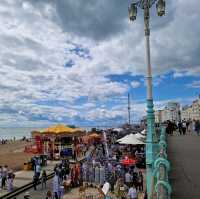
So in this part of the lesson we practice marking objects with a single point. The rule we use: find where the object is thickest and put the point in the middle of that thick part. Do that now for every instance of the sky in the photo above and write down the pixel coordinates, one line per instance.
(74, 62)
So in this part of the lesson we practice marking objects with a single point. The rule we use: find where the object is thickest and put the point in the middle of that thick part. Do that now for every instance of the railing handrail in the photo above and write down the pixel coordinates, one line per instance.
(161, 169)
(23, 188)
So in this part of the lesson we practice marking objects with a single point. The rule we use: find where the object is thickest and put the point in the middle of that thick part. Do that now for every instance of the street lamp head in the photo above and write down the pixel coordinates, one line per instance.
(132, 11)
(160, 6)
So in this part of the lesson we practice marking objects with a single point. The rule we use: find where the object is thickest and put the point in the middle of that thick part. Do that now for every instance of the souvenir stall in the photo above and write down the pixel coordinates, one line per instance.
(135, 148)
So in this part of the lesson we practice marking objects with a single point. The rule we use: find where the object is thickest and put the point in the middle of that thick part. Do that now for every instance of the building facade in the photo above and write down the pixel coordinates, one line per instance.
(170, 112)
(159, 116)
(191, 112)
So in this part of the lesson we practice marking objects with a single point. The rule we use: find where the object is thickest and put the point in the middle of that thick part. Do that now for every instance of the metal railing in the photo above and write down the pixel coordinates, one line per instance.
(23, 188)
(162, 186)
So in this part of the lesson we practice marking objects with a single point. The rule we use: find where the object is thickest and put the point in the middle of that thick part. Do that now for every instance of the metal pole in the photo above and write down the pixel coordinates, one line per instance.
(129, 110)
(150, 112)
(105, 144)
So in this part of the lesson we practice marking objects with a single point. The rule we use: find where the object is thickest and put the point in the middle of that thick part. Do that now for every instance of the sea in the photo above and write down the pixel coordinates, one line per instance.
(17, 132)
(20, 132)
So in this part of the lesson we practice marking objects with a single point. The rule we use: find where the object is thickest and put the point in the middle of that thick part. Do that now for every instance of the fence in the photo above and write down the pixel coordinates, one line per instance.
(161, 170)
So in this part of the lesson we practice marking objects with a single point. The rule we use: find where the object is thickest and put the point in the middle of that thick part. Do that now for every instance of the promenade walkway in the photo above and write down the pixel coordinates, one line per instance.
(184, 156)
(72, 194)
(25, 177)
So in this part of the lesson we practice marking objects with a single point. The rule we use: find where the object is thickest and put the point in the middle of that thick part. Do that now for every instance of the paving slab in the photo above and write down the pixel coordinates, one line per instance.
(184, 156)
(25, 177)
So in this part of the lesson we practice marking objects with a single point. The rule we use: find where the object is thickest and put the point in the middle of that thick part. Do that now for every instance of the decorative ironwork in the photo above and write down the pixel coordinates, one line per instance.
(141, 3)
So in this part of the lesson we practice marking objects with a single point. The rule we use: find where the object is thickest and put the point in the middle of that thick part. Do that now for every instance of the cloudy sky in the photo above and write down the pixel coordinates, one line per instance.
(66, 61)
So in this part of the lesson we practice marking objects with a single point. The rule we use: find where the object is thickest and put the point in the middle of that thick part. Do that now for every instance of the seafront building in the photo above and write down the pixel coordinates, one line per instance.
(191, 112)
(159, 116)
(173, 112)
(170, 112)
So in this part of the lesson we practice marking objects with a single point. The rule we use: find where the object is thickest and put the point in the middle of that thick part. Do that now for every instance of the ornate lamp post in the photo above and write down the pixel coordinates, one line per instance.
(151, 135)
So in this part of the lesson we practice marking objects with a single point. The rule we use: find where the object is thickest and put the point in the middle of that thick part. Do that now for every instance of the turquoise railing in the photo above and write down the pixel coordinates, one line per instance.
(162, 187)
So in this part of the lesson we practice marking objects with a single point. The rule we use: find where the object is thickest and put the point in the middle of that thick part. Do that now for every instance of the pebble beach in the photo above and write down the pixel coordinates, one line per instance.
(12, 154)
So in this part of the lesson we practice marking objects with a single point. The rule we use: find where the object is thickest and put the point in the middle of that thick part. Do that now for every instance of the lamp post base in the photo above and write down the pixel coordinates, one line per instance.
(150, 147)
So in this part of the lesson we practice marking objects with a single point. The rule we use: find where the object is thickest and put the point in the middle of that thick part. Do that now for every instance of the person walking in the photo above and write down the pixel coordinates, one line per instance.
(197, 127)
(140, 181)
(180, 128)
(193, 126)
(38, 170)
(184, 127)
(128, 178)
(132, 192)
(169, 128)
(56, 186)
(10, 182)
(35, 181)
(112, 181)
(44, 179)
(187, 126)
(4, 176)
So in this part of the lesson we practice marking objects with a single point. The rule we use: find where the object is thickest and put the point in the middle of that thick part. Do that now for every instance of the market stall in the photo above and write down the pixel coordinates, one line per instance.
(92, 138)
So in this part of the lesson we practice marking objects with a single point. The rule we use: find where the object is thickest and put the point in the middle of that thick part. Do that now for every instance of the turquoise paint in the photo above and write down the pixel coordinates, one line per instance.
(150, 146)
(165, 184)
(161, 160)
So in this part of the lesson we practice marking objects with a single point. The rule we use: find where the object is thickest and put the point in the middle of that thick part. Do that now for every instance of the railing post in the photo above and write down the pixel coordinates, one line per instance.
(161, 169)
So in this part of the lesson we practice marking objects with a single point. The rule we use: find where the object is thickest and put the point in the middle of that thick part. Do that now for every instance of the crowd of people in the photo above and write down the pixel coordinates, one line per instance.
(12, 140)
(102, 164)
(105, 165)
(66, 176)
(4, 141)
(183, 127)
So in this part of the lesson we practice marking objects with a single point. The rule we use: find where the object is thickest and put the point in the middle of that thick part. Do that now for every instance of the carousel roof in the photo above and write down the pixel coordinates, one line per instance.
(62, 129)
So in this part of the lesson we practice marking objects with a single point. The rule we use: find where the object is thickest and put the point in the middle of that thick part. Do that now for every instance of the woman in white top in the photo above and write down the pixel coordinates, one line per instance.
(132, 193)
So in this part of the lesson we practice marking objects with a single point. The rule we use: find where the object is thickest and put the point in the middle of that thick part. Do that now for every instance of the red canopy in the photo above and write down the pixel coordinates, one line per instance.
(128, 161)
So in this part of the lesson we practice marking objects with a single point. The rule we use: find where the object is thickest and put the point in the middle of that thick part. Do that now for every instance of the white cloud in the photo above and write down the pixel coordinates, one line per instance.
(194, 84)
(35, 47)
(135, 84)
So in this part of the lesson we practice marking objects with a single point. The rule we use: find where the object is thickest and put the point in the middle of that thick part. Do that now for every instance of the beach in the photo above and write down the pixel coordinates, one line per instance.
(12, 154)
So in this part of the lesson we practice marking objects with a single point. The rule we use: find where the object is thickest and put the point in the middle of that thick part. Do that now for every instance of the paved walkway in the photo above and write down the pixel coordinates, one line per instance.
(184, 155)
(41, 194)
(25, 177)
(72, 194)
